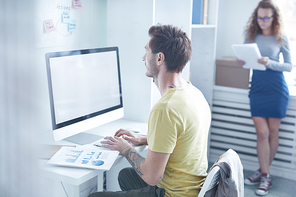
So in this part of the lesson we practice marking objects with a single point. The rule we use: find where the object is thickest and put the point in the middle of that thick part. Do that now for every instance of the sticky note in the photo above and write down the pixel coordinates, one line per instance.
(72, 26)
(48, 26)
(66, 17)
(76, 4)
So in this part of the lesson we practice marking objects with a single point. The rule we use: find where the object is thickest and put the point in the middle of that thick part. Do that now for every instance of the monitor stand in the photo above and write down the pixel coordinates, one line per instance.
(84, 138)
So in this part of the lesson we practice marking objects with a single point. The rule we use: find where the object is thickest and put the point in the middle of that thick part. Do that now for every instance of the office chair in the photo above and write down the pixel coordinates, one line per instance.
(226, 175)
(211, 181)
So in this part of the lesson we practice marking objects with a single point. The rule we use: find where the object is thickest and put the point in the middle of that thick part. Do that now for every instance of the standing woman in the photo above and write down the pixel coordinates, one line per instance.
(269, 94)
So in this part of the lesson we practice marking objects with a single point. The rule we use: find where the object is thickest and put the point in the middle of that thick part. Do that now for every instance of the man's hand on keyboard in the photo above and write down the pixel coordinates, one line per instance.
(116, 143)
(134, 138)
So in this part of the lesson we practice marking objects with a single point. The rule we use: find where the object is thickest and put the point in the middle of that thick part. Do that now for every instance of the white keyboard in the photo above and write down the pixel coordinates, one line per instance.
(98, 143)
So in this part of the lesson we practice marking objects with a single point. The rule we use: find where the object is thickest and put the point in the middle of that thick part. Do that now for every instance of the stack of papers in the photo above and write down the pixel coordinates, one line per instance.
(250, 54)
(85, 157)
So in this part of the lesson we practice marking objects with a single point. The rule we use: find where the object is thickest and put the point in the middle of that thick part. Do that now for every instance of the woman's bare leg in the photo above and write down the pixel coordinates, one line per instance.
(273, 125)
(263, 146)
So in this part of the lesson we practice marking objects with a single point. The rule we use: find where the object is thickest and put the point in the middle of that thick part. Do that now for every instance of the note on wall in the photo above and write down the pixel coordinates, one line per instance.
(76, 4)
(48, 26)
(72, 26)
(61, 13)
(66, 17)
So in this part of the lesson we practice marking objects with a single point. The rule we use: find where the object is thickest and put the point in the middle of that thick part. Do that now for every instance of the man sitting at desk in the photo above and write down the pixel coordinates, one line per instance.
(176, 161)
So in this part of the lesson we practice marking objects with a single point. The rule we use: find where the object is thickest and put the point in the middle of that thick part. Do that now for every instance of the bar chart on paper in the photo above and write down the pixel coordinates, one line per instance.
(72, 156)
(86, 157)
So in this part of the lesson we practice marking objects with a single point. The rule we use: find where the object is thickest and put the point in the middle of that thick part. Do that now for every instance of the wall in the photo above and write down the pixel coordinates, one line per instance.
(19, 124)
(127, 27)
(202, 61)
(232, 18)
(90, 33)
(226, 20)
(203, 53)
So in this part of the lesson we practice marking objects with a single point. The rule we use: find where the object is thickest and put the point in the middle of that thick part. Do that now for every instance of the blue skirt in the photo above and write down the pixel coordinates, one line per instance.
(269, 94)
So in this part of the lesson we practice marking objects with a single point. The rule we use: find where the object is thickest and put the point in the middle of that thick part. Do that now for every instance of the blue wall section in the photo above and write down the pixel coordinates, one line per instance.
(197, 11)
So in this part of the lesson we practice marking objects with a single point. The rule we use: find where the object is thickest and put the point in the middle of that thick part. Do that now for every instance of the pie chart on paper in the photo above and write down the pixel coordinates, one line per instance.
(97, 162)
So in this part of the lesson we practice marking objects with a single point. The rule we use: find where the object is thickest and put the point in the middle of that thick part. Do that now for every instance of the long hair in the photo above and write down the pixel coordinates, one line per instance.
(252, 28)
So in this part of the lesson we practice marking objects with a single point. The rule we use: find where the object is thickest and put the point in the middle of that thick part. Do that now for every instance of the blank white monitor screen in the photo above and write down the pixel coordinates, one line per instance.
(83, 84)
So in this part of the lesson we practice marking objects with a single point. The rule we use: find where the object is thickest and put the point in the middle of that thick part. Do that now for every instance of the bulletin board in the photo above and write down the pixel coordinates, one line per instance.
(57, 22)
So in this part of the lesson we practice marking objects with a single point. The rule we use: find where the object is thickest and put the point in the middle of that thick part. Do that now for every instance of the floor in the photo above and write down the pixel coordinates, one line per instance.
(280, 187)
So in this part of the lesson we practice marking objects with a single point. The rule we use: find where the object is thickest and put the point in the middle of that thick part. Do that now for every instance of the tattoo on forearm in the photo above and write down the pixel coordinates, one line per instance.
(135, 160)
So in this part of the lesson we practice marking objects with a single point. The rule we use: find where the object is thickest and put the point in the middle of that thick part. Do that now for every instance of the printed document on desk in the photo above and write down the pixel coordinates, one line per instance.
(250, 54)
(85, 157)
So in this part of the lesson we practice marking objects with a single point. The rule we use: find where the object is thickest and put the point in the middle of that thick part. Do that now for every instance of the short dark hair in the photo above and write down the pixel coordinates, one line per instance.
(173, 43)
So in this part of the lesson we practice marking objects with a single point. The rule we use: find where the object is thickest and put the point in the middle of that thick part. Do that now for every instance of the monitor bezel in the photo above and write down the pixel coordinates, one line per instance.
(49, 55)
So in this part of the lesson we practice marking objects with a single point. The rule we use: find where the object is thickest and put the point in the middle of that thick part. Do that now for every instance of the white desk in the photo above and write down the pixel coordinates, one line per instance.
(77, 177)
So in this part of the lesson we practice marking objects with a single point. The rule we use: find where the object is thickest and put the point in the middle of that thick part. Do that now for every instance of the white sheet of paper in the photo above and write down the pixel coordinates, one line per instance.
(84, 157)
(250, 54)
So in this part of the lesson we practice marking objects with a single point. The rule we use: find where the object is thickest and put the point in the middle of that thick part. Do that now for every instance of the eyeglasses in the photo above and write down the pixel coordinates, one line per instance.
(265, 19)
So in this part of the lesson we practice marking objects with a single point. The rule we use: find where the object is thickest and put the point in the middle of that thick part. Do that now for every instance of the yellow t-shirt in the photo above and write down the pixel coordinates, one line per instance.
(179, 124)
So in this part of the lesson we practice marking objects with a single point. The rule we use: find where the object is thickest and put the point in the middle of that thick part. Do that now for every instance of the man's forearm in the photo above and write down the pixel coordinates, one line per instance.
(135, 159)
(143, 140)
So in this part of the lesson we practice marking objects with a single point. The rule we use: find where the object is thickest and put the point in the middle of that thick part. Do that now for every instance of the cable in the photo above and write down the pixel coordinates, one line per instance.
(94, 189)
(64, 189)
(105, 181)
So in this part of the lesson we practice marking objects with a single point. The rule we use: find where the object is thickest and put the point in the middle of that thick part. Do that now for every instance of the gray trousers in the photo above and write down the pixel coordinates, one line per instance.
(132, 185)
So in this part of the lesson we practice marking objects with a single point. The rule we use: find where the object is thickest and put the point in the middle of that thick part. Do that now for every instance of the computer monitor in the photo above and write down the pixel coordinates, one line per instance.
(84, 90)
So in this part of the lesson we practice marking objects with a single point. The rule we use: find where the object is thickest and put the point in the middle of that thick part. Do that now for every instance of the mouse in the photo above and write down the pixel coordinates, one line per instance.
(135, 130)
(98, 143)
